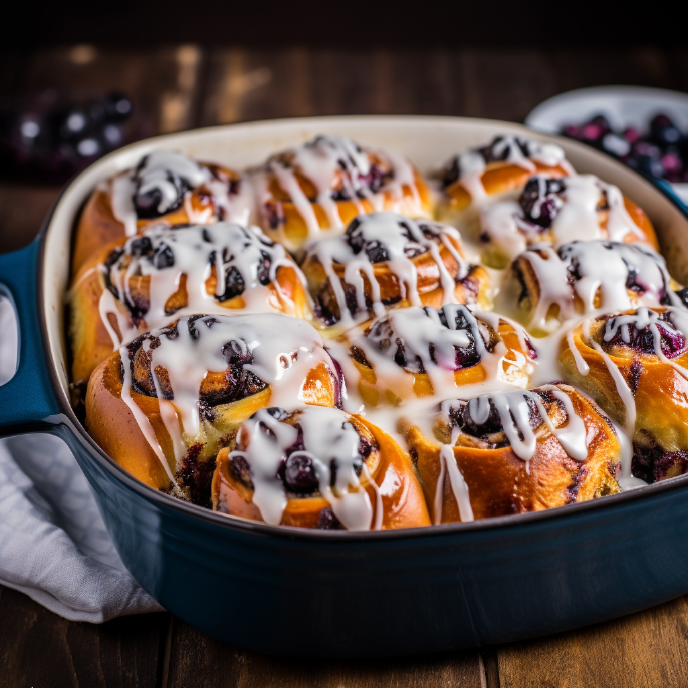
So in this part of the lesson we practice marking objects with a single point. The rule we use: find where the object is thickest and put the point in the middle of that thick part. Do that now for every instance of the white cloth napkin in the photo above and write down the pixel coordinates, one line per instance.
(53, 542)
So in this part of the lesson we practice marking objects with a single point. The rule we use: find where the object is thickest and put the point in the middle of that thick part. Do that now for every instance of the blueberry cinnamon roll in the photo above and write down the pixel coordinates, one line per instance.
(317, 467)
(584, 278)
(141, 283)
(499, 167)
(557, 211)
(386, 260)
(512, 452)
(163, 405)
(166, 187)
(635, 366)
(419, 352)
(323, 184)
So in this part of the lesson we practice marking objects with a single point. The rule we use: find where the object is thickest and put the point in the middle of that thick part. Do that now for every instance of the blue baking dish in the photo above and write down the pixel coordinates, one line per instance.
(338, 594)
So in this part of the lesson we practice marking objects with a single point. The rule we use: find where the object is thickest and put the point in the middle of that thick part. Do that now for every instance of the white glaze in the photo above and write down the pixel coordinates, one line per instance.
(577, 219)
(153, 173)
(472, 162)
(328, 436)
(284, 351)
(194, 250)
(600, 267)
(389, 230)
(421, 332)
(514, 415)
(325, 160)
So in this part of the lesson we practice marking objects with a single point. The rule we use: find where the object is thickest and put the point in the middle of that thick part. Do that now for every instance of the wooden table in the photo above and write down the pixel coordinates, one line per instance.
(180, 87)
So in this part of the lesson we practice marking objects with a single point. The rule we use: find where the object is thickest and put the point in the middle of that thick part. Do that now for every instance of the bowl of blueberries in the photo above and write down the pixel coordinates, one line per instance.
(645, 128)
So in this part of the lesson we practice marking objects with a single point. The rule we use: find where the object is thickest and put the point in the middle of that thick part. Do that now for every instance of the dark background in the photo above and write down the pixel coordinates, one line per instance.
(347, 24)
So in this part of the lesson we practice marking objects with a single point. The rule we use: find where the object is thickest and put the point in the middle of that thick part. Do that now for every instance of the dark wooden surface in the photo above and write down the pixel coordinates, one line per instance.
(184, 86)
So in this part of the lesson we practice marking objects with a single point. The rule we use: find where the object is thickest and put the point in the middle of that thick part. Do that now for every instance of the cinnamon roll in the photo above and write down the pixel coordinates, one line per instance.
(165, 187)
(419, 352)
(141, 283)
(583, 278)
(501, 166)
(386, 260)
(512, 452)
(556, 211)
(325, 183)
(317, 467)
(635, 366)
(164, 405)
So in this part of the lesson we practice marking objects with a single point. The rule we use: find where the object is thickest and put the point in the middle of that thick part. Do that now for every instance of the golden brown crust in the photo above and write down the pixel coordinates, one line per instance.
(499, 178)
(472, 289)
(500, 483)
(514, 368)
(403, 504)
(292, 230)
(99, 227)
(90, 342)
(660, 392)
(113, 426)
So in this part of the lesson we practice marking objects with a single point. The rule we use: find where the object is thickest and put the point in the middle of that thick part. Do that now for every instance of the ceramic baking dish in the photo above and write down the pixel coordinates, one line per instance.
(331, 593)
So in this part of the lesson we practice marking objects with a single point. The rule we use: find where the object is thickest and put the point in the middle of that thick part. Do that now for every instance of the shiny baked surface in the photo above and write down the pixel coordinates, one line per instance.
(401, 316)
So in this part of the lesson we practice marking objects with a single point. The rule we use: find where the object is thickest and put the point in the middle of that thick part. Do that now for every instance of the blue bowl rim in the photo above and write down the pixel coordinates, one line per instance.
(167, 502)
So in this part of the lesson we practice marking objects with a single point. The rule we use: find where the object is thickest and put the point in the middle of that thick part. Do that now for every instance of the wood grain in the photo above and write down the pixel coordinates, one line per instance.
(38, 648)
(647, 649)
(192, 654)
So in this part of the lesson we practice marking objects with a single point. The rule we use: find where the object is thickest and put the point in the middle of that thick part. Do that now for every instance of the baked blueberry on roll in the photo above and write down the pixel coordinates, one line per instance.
(141, 283)
(419, 352)
(163, 405)
(165, 187)
(635, 365)
(499, 167)
(557, 211)
(324, 183)
(317, 467)
(386, 260)
(512, 452)
(582, 278)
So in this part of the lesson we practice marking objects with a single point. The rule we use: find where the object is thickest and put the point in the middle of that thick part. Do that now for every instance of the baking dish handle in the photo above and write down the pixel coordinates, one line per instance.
(28, 397)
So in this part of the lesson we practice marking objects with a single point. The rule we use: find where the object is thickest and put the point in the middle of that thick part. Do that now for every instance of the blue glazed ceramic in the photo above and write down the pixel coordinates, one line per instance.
(337, 594)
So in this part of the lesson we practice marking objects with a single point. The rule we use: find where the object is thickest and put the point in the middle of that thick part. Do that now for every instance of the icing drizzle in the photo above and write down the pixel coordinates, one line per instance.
(163, 182)
(243, 262)
(568, 212)
(181, 357)
(620, 274)
(339, 170)
(325, 443)
(468, 167)
(394, 240)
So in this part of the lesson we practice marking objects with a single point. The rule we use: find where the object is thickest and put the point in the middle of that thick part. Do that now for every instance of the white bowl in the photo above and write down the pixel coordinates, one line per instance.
(623, 106)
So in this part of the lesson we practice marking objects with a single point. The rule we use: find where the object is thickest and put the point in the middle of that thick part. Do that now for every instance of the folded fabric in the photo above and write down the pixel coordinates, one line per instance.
(53, 542)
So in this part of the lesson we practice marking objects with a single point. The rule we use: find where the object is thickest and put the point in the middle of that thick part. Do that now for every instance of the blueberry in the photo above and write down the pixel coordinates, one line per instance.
(163, 257)
(602, 122)
(117, 106)
(234, 285)
(631, 135)
(573, 131)
(299, 474)
(377, 252)
(672, 162)
(615, 144)
(664, 132)
(592, 132)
